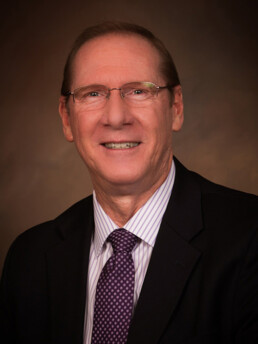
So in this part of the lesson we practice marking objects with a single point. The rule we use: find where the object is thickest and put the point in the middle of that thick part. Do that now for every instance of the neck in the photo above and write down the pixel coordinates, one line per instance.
(121, 206)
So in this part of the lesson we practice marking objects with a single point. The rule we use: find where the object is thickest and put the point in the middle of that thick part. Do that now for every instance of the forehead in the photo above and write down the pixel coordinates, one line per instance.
(116, 58)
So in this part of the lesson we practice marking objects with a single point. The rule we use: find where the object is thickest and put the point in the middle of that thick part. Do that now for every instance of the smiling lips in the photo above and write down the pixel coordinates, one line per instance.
(121, 145)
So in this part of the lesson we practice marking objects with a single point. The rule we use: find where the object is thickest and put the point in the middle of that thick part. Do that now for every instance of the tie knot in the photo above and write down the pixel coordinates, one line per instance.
(122, 240)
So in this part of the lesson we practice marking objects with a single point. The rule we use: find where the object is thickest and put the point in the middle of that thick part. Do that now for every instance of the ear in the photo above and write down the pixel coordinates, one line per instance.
(178, 109)
(65, 117)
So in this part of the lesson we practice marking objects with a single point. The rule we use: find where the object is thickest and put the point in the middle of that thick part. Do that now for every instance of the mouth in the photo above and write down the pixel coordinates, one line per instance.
(120, 145)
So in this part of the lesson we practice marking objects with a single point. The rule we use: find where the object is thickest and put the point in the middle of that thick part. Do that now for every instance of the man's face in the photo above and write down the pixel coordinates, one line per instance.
(114, 60)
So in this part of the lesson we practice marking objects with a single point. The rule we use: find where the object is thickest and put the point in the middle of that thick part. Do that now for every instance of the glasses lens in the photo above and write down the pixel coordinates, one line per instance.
(93, 94)
(139, 91)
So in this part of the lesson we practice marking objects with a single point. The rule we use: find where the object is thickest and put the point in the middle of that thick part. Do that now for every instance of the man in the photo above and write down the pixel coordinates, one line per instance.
(190, 275)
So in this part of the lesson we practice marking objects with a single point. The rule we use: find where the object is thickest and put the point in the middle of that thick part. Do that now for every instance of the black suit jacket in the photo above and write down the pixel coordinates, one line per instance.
(201, 285)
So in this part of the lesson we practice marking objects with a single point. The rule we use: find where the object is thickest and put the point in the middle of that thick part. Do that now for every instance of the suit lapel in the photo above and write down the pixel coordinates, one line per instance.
(172, 261)
(67, 275)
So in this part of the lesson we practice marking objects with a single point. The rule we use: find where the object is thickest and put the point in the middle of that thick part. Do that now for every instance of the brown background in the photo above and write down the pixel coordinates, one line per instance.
(214, 45)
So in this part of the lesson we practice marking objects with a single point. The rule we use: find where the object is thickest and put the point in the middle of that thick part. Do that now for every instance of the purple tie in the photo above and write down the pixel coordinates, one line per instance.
(115, 292)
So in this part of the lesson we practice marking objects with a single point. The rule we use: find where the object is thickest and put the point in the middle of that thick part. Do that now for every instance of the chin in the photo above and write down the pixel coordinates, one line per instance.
(122, 179)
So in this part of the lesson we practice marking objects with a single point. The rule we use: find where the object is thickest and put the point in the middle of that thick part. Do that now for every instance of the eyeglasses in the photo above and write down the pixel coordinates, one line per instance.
(135, 93)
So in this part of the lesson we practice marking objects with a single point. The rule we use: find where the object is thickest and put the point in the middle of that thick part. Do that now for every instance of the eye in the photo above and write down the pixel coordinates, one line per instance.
(139, 91)
(93, 94)
(90, 94)
(131, 91)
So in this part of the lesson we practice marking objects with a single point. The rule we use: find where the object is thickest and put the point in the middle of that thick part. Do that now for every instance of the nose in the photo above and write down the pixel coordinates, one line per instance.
(116, 114)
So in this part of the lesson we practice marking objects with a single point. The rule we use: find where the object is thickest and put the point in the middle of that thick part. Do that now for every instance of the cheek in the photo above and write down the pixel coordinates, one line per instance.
(159, 138)
(82, 125)
(164, 134)
(162, 124)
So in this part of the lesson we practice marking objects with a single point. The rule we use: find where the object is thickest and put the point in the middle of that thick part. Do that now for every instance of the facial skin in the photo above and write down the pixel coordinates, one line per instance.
(133, 174)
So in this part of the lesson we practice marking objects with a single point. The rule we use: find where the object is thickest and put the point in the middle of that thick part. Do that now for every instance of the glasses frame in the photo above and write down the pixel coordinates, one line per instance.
(157, 87)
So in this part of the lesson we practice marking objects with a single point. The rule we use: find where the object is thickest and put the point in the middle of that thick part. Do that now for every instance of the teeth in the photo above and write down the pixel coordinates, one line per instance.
(121, 145)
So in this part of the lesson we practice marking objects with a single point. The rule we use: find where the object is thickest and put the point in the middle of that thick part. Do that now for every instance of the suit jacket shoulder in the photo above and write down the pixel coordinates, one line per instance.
(47, 234)
(44, 280)
(202, 281)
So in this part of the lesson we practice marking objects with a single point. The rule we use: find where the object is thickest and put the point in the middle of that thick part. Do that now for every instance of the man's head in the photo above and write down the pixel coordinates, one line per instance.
(124, 139)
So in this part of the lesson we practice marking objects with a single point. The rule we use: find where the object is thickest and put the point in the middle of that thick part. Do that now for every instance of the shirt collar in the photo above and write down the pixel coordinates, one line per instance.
(146, 221)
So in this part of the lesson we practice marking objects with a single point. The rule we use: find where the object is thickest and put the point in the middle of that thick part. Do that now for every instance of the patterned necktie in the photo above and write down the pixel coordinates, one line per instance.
(115, 292)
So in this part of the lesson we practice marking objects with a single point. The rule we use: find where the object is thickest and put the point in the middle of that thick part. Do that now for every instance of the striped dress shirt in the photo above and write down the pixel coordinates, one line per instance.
(144, 224)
